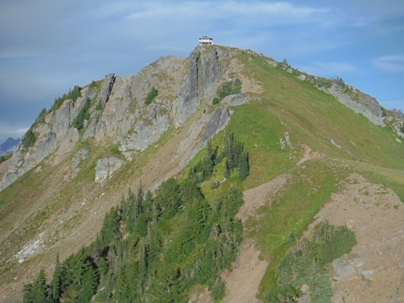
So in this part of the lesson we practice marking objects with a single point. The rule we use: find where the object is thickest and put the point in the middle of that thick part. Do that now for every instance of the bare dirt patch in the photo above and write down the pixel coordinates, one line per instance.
(309, 155)
(248, 84)
(242, 283)
(200, 295)
(374, 270)
(258, 196)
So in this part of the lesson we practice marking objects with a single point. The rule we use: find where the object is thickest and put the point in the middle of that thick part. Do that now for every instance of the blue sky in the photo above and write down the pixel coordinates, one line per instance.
(48, 46)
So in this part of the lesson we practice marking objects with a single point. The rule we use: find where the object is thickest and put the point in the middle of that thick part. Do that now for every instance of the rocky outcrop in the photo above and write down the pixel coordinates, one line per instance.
(106, 167)
(359, 102)
(206, 66)
(217, 122)
(80, 155)
(119, 113)
(55, 134)
(106, 88)
(396, 120)
(102, 98)
(144, 134)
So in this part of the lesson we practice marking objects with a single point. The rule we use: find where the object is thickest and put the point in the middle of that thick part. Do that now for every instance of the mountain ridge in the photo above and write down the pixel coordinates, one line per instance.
(8, 146)
(158, 140)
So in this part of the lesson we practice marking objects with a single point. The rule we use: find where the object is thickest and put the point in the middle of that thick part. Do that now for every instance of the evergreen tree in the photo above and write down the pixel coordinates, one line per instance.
(142, 266)
(132, 209)
(244, 166)
(89, 283)
(110, 227)
(40, 288)
(168, 197)
(28, 296)
(125, 286)
(83, 115)
(56, 284)
(227, 169)
(208, 162)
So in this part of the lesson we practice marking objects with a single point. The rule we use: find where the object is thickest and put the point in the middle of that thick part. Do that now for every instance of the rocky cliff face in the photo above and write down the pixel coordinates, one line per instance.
(119, 114)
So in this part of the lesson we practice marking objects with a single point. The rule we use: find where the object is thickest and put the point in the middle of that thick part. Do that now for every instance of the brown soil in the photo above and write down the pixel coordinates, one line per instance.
(243, 281)
(374, 270)
(249, 85)
(309, 155)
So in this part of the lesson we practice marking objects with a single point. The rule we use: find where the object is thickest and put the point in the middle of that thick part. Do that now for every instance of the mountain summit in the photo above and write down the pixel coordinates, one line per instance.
(320, 165)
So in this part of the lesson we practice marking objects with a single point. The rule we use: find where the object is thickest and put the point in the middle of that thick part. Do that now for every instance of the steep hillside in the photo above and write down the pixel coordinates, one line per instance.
(83, 155)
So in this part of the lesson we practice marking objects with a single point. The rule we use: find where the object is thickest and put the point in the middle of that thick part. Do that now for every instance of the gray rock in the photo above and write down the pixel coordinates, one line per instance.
(272, 63)
(335, 144)
(144, 135)
(188, 94)
(80, 155)
(106, 167)
(45, 146)
(367, 274)
(216, 123)
(62, 118)
(66, 144)
(235, 100)
(205, 71)
(365, 105)
(105, 89)
(342, 269)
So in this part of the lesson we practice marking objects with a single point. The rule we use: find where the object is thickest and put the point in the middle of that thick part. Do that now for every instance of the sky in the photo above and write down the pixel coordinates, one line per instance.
(47, 47)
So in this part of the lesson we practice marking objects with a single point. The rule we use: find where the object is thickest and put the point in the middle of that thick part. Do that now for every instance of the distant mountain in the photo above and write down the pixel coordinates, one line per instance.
(8, 146)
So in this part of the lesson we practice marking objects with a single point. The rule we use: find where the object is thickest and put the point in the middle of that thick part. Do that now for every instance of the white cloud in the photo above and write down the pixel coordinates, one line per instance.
(11, 130)
(392, 63)
(270, 13)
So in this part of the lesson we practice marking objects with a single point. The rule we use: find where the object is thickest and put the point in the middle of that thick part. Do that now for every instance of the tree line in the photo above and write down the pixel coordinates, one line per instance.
(150, 248)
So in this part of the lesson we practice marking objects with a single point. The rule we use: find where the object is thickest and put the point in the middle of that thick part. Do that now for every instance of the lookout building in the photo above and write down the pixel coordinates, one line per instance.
(205, 40)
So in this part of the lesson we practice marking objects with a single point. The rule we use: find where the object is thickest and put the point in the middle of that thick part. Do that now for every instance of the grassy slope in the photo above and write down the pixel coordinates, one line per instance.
(312, 117)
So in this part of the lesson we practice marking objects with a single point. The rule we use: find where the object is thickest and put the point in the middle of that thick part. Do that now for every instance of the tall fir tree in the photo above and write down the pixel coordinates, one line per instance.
(227, 169)
(40, 288)
(56, 284)
(244, 166)
(208, 162)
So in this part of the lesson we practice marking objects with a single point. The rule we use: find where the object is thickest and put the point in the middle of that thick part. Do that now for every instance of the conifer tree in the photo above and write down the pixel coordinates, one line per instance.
(56, 284)
(28, 296)
(140, 195)
(244, 166)
(142, 266)
(208, 162)
(227, 169)
(40, 288)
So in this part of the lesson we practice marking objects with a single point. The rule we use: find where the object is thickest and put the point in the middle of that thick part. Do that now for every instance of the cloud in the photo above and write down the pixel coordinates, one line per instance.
(392, 63)
(276, 12)
(11, 130)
